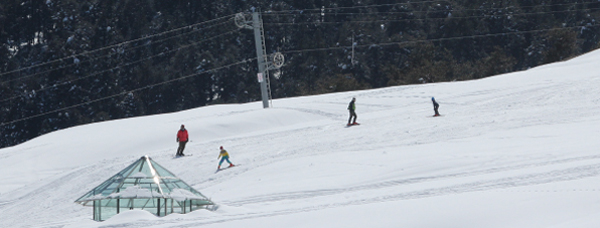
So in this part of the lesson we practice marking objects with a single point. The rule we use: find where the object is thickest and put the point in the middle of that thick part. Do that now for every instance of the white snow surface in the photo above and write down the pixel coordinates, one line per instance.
(513, 150)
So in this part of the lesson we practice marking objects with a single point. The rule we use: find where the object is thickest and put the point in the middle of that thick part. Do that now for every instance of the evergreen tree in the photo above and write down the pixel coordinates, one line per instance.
(67, 62)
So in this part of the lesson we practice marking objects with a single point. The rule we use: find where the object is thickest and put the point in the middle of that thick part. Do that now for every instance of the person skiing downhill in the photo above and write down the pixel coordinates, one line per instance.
(352, 108)
(182, 138)
(435, 107)
(224, 156)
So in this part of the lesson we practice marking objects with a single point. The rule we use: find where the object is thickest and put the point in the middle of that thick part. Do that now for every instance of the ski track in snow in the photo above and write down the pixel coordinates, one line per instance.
(557, 175)
(391, 118)
(486, 185)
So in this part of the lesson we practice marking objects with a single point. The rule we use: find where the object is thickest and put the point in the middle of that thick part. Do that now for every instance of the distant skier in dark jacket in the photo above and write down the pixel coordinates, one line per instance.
(352, 109)
(182, 138)
(435, 107)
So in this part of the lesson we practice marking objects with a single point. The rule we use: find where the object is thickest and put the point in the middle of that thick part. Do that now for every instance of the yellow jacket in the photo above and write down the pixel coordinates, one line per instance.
(223, 153)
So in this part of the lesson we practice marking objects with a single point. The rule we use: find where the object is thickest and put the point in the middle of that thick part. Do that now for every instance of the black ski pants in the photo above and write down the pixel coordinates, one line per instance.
(181, 148)
(352, 114)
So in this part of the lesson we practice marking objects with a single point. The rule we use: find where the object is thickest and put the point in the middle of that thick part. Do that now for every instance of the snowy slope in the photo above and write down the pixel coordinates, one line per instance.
(515, 150)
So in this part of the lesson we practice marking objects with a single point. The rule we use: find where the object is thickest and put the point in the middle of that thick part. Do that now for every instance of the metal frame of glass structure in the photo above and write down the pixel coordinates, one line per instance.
(143, 185)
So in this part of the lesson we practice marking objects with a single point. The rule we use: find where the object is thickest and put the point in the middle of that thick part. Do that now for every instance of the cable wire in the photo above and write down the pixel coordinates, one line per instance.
(357, 7)
(126, 92)
(421, 19)
(112, 46)
(123, 65)
(99, 57)
(252, 59)
(394, 4)
(430, 18)
(434, 40)
(277, 13)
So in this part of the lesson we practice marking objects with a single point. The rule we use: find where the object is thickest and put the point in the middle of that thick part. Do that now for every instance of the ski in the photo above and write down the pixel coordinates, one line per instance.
(186, 155)
(228, 167)
(352, 124)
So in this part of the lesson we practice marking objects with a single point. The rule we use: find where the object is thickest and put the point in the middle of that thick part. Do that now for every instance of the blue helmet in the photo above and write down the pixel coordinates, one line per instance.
(433, 99)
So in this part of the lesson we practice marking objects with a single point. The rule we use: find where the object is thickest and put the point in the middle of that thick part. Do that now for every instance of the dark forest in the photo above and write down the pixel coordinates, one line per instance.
(67, 62)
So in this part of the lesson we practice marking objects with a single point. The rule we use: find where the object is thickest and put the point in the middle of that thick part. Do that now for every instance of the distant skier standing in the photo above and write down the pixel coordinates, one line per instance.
(182, 138)
(224, 156)
(435, 107)
(352, 109)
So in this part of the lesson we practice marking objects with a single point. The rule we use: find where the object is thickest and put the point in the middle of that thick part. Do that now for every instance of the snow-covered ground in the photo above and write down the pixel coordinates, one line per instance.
(515, 150)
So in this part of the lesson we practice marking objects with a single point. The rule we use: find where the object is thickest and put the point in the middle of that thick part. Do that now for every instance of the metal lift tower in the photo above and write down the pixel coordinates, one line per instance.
(265, 62)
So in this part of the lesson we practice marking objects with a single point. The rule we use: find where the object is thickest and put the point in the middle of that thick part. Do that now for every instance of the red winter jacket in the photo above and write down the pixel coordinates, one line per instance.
(182, 136)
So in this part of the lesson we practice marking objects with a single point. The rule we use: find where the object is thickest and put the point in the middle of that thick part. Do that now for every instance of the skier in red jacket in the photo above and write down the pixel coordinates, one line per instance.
(182, 138)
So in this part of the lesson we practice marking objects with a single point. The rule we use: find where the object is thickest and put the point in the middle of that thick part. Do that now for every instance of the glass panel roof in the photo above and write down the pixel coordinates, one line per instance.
(144, 179)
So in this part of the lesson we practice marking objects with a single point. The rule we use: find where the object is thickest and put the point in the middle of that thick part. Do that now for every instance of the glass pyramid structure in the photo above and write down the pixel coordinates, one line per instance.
(143, 185)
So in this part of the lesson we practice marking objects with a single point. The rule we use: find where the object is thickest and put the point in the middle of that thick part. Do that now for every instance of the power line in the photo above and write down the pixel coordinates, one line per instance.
(434, 40)
(126, 92)
(130, 91)
(270, 12)
(247, 60)
(404, 3)
(114, 45)
(103, 56)
(422, 19)
(356, 7)
(124, 65)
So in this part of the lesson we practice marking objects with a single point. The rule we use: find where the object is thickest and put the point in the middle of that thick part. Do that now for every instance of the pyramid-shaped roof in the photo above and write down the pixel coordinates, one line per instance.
(144, 179)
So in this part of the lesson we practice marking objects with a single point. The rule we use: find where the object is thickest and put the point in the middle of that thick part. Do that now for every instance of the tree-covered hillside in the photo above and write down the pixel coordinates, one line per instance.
(66, 62)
